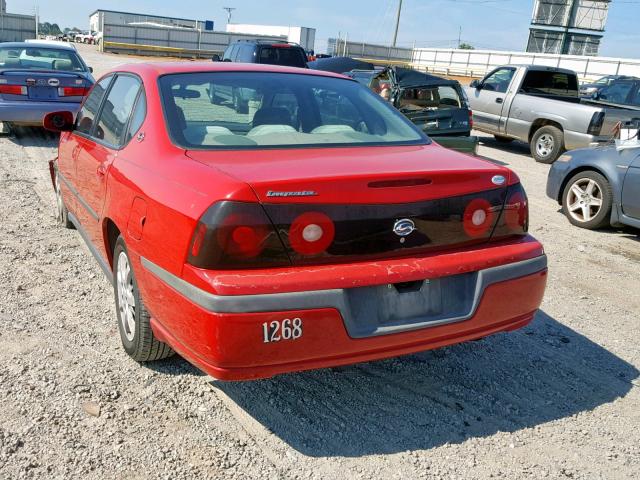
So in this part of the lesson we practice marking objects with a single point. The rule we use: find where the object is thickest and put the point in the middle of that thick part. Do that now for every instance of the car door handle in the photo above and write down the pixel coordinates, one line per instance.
(499, 100)
(102, 169)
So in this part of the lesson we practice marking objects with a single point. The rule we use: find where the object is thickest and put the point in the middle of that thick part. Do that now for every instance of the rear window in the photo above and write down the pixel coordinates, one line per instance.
(550, 83)
(257, 110)
(430, 98)
(287, 56)
(34, 58)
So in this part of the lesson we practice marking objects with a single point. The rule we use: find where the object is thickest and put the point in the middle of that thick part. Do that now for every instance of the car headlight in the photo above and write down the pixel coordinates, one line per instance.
(564, 158)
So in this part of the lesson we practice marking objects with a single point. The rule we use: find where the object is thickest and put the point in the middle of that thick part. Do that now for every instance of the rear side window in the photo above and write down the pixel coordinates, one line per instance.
(89, 110)
(245, 54)
(137, 119)
(287, 56)
(617, 92)
(117, 109)
(550, 83)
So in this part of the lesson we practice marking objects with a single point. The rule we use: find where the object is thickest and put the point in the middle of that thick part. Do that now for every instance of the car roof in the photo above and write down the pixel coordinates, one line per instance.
(39, 44)
(166, 68)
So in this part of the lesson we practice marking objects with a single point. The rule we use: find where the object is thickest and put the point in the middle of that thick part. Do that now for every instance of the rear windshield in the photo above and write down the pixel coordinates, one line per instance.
(550, 83)
(430, 98)
(287, 56)
(34, 58)
(256, 110)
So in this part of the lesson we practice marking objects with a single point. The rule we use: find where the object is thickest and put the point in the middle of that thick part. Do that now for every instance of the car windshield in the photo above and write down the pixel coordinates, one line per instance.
(257, 110)
(37, 58)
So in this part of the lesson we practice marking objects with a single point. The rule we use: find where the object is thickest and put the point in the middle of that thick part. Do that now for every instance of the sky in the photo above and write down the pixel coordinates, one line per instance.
(486, 24)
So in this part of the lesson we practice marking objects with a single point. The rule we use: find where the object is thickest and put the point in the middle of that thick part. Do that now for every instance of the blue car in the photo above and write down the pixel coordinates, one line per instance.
(598, 187)
(37, 78)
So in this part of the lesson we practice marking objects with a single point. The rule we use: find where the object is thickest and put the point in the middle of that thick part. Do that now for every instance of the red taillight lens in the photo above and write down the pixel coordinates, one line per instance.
(13, 89)
(72, 91)
(514, 219)
(236, 235)
(478, 218)
(470, 119)
(311, 233)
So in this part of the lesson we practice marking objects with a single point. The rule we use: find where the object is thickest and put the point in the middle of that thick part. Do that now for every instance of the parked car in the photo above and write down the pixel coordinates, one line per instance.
(598, 186)
(40, 77)
(283, 240)
(86, 37)
(438, 106)
(66, 37)
(588, 89)
(623, 91)
(271, 53)
(540, 105)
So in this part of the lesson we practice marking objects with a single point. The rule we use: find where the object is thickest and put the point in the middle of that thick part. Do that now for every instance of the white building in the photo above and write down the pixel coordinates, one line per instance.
(99, 18)
(306, 37)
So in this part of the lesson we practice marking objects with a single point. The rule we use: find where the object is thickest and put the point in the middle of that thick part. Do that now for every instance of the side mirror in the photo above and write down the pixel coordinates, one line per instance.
(58, 121)
(215, 58)
(90, 69)
(476, 84)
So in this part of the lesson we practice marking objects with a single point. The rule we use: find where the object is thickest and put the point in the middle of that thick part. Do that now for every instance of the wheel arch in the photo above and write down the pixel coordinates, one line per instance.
(538, 123)
(574, 172)
(111, 232)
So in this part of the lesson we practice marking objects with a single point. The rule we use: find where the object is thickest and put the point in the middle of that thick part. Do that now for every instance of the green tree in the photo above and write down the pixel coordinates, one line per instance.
(466, 46)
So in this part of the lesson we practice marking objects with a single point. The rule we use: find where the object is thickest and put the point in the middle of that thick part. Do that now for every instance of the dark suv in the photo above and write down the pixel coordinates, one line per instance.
(256, 51)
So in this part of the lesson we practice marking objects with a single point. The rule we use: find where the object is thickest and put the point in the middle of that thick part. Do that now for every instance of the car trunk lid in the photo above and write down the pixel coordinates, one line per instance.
(43, 86)
(417, 199)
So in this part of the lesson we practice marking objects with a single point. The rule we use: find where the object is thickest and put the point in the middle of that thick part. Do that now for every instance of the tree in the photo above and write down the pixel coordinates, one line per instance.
(466, 46)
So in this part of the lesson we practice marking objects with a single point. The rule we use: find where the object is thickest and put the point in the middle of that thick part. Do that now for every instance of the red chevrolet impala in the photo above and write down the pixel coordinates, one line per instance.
(260, 220)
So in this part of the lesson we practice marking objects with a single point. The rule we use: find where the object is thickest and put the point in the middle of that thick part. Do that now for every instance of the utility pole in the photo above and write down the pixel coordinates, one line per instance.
(459, 36)
(229, 10)
(395, 34)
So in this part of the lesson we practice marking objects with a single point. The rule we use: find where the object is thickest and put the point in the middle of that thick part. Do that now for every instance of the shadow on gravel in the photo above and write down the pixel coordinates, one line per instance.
(33, 137)
(506, 383)
(517, 147)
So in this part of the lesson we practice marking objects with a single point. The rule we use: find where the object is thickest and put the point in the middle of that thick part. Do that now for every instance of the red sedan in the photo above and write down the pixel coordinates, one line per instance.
(260, 220)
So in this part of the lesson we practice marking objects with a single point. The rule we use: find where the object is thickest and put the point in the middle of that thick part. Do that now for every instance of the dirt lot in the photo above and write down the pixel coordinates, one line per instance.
(558, 399)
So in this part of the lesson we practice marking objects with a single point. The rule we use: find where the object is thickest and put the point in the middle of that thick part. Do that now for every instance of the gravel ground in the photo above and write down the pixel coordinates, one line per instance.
(558, 399)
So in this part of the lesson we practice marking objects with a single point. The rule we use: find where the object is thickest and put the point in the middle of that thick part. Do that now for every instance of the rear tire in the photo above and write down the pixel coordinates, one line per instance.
(587, 199)
(133, 317)
(501, 139)
(547, 144)
(62, 214)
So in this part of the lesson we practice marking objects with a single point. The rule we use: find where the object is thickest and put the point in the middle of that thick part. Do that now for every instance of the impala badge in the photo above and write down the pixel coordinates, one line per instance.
(404, 227)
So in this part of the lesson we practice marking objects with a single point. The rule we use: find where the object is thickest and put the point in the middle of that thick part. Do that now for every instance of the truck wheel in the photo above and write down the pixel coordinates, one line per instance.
(133, 318)
(501, 139)
(587, 200)
(62, 214)
(547, 144)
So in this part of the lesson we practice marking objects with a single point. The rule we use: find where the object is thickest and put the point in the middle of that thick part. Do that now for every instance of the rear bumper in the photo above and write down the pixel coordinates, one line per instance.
(224, 334)
(32, 113)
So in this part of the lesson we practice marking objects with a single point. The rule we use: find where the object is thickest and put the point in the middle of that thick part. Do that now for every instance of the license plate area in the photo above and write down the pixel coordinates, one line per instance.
(43, 93)
(392, 308)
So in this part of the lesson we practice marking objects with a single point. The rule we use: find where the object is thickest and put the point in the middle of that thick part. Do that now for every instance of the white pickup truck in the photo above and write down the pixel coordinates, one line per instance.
(541, 106)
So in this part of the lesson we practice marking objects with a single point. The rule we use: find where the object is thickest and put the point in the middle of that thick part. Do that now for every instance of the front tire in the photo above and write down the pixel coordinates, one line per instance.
(587, 200)
(547, 144)
(133, 317)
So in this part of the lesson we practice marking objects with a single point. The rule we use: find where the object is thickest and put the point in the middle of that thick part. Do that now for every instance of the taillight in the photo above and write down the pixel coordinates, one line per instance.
(595, 126)
(13, 89)
(470, 119)
(236, 235)
(514, 219)
(311, 233)
(478, 218)
(72, 91)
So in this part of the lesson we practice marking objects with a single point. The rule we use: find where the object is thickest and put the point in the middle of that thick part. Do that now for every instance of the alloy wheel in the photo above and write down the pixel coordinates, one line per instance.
(584, 199)
(545, 145)
(126, 298)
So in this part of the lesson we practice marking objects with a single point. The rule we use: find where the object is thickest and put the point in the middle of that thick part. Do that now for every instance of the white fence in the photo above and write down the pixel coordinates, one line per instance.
(193, 42)
(340, 47)
(477, 63)
(16, 28)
